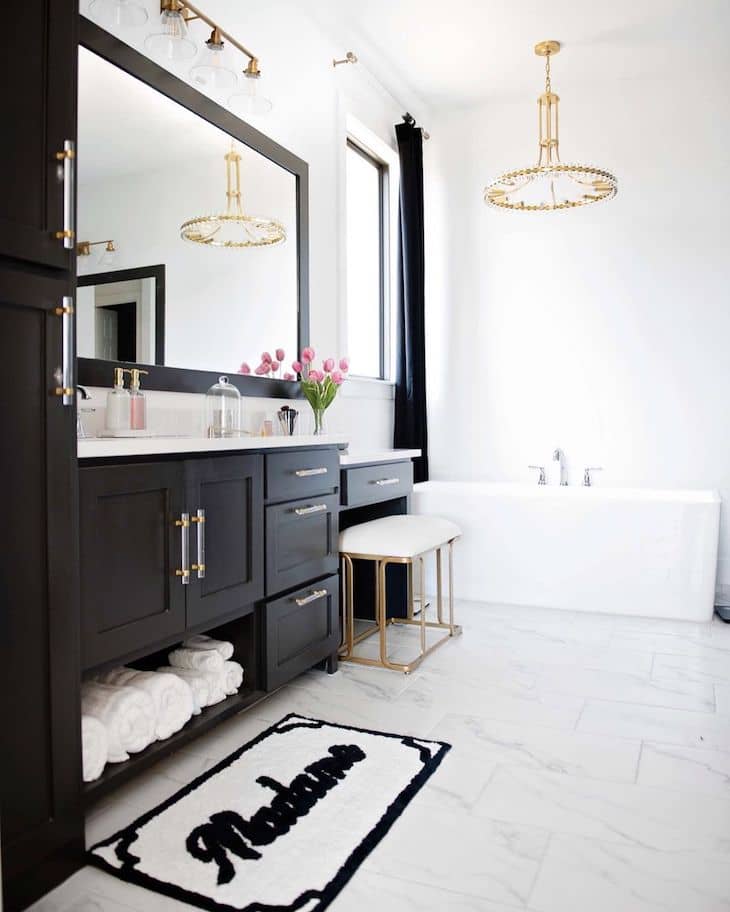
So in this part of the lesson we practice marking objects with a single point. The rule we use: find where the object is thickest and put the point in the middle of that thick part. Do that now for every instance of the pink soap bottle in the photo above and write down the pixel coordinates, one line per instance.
(137, 404)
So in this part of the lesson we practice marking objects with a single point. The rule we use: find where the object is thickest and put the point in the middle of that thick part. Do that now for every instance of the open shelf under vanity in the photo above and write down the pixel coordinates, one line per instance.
(116, 774)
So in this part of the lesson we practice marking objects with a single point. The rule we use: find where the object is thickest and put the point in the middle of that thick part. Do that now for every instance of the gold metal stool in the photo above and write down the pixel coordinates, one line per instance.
(405, 540)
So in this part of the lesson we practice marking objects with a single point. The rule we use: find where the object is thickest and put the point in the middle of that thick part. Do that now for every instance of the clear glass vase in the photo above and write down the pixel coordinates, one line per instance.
(318, 423)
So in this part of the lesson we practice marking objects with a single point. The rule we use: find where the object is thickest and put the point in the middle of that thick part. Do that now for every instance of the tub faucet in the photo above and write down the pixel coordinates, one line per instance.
(587, 481)
(541, 479)
(559, 457)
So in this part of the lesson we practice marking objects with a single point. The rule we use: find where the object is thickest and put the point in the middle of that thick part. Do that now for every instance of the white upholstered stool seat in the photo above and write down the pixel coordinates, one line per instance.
(398, 536)
(380, 543)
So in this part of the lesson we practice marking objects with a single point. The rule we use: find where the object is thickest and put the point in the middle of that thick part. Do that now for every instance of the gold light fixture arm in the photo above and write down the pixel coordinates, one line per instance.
(233, 180)
(83, 248)
(547, 110)
(182, 6)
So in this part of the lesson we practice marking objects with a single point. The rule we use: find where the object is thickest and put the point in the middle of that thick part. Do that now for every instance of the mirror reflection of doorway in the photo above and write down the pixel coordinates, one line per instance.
(116, 332)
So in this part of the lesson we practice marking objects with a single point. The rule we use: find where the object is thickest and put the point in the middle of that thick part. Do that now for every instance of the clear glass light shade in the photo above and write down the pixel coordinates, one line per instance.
(109, 256)
(118, 13)
(250, 100)
(172, 43)
(212, 71)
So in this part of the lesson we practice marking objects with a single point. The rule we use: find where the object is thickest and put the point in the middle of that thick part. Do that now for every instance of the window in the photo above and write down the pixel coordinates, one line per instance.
(367, 287)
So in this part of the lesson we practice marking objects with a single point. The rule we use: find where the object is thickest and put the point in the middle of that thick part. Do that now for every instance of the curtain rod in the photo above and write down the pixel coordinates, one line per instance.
(411, 121)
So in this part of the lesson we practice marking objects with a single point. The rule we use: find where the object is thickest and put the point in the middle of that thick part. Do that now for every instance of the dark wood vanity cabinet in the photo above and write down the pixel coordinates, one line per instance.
(151, 570)
(38, 104)
(130, 550)
(301, 629)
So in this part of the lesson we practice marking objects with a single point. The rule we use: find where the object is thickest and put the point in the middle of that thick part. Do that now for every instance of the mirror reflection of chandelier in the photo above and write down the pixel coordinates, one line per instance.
(550, 184)
(233, 228)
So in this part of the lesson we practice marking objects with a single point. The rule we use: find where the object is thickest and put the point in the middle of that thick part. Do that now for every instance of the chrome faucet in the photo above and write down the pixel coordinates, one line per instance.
(559, 456)
(541, 478)
(587, 481)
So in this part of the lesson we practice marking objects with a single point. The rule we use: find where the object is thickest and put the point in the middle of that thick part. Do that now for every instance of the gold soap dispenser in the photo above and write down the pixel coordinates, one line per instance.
(137, 404)
(117, 403)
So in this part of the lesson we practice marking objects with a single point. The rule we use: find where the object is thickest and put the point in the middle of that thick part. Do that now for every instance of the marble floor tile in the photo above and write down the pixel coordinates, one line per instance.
(707, 669)
(722, 699)
(581, 874)
(654, 723)
(664, 819)
(692, 644)
(397, 895)
(623, 687)
(456, 851)
(484, 744)
(672, 766)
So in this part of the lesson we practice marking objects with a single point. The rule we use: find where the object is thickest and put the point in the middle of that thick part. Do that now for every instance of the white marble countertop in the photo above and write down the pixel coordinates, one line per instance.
(368, 457)
(106, 447)
(109, 447)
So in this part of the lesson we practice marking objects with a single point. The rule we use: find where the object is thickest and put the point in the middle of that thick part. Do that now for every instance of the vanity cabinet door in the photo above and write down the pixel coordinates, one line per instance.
(301, 629)
(227, 493)
(38, 102)
(301, 542)
(131, 550)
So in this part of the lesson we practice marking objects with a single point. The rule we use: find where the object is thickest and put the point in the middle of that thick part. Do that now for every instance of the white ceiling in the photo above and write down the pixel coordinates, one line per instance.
(460, 52)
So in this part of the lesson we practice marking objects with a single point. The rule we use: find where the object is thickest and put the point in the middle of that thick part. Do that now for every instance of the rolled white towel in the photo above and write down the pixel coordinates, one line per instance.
(232, 677)
(200, 641)
(172, 697)
(128, 714)
(94, 747)
(197, 659)
(213, 681)
(199, 685)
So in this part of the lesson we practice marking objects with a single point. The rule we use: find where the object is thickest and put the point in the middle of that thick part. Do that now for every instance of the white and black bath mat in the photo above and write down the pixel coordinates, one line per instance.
(281, 824)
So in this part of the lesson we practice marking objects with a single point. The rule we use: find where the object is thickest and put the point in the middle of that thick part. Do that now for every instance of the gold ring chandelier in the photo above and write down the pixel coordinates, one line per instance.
(550, 184)
(233, 228)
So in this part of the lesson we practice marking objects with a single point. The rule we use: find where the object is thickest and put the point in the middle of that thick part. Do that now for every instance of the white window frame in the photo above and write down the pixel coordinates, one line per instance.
(370, 143)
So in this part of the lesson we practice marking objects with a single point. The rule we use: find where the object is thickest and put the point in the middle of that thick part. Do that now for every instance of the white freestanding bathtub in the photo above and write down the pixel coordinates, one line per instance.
(613, 550)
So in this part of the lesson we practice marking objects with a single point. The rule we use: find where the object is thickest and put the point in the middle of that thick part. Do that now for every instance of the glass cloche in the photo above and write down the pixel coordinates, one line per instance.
(223, 409)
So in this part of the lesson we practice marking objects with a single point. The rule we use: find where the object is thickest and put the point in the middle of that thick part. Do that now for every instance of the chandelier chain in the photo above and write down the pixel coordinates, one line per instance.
(548, 85)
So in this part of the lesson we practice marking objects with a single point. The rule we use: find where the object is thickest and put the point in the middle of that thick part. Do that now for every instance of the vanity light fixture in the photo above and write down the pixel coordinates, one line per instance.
(550, 184)
(119, 13)
(174, 43)
(233, 228)
(350, 57)
(83, 248)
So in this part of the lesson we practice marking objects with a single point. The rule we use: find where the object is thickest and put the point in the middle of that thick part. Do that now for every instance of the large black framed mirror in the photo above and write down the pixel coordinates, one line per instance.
(153, 153)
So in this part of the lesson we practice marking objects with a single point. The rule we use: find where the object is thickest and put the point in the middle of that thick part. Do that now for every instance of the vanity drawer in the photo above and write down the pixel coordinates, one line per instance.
(301, 542)
(301, 629)
(302, 474)
(369, 484)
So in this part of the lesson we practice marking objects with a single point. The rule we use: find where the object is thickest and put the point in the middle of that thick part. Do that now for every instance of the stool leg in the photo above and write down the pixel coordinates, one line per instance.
(439, 600)
(451, 587)
(423, 607)
(380, 609)
(350, 606)
(411, 606)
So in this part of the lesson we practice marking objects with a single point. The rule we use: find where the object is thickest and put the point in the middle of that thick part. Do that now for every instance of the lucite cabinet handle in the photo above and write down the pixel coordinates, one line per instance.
(312, 597)
(63, 375)
(199, 520)
(184, 525)
(307, 473)
(306, 511)
(387, 481)
(68, 157)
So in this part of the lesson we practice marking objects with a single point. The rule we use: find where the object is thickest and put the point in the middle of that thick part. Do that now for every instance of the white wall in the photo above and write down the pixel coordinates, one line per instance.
(311, 103)
(606, 330)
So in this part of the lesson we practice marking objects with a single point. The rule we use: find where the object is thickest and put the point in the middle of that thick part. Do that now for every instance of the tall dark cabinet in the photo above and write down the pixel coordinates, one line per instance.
(40, 818)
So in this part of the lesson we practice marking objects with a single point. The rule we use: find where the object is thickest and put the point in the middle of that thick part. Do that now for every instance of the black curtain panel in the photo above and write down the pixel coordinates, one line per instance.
(410, 391)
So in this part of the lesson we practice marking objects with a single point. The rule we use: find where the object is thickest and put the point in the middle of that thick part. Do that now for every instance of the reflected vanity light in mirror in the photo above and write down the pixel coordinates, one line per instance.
(233, 228)
(212, 72)
(172, 42)
(107, 257)
(118, 13)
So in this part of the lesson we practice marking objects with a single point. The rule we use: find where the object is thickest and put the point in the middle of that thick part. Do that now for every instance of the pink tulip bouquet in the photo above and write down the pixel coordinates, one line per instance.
(319, 386)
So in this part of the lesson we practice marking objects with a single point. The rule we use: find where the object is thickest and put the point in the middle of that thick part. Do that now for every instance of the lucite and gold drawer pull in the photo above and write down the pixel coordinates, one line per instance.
(381, 482)
(305, 511)
(184, 525)
(199, 565)
(312, 597)
(307, 473)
